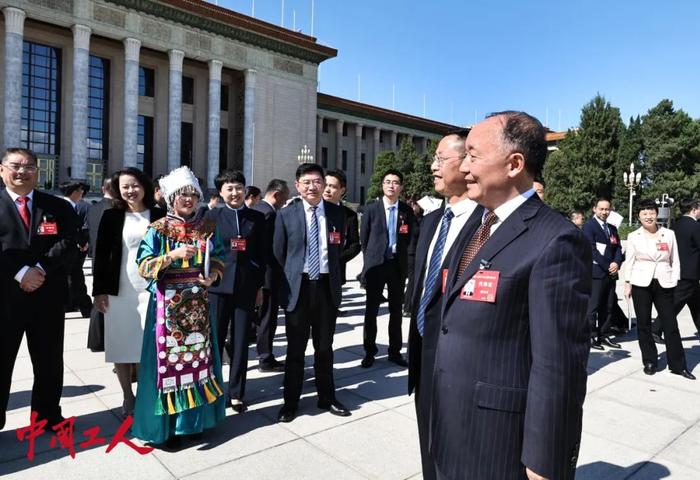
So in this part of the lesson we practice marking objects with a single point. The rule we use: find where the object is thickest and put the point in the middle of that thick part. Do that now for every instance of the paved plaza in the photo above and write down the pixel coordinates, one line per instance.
(635, 426)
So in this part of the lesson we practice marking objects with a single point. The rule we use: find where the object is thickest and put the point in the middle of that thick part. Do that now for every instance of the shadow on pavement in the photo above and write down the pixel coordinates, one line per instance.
(609, 471)
(24, 398)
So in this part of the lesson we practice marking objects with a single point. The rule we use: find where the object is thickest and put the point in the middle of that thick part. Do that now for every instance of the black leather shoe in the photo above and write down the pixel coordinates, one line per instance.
(649, 368)
(271, 366)
(609, 343)
(237, 405)
(684, 374)
(596, 345)
(367, 362)
(657, 338)
(287, 414)
(335, 407)
(398, 360)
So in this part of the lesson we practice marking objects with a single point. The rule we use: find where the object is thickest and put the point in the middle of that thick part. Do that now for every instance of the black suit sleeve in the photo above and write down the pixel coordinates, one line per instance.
(279, 244)
(103, 255)
(352, 237)
(62, 254)
(365, 227)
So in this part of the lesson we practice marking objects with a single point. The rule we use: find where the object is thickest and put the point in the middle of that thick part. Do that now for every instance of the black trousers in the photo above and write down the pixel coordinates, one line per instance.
(662, 298)
(43, 323)
(78, 297)
(232, 317)
(422, 398)
(268, 325)
(315, 314)
(597, 313)
(687, 292)
(387, 274)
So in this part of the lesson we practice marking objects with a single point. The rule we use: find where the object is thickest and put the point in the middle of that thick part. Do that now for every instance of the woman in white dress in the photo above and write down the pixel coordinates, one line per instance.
(119, 291)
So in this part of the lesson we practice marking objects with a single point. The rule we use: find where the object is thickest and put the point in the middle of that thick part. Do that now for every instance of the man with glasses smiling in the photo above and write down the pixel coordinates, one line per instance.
(307, 243)
(38, 243)
(388, 234)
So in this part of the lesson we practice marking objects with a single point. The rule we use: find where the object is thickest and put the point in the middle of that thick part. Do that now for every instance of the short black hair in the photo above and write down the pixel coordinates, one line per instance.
(252, 191)
(228, 176)
(462, 133)
(601, 199)
(525, 134)
(339, 175)
(648, 205)
(156, 181)
(277, 185)
(305, 168)
(145, 181)
(214, 196)
(576, 212)
(71, 186)
(688, 204)
(25, 152)
(393, 171)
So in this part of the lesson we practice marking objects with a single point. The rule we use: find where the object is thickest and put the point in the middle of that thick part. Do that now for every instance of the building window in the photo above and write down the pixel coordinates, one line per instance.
(363, 133)
(223, 149)
(188, 90)
(40, 116)
(362, 195)
(345, 129)
(324, 125)
(362, 163)
(144, 148)
(324, 157)
(345, 160)
(98, 118)
(147, 81)
(224, 98)
(186, 142)
(381, 136)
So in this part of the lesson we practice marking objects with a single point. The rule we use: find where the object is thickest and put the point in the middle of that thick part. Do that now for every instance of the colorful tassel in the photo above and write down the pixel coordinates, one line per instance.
(216, 386)
(159, 405)
(171, 407)
(190, 399)
(210, 396)
(197, 396)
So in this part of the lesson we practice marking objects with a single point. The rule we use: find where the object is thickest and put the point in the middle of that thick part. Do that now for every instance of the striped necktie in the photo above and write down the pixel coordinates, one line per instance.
(314, 257)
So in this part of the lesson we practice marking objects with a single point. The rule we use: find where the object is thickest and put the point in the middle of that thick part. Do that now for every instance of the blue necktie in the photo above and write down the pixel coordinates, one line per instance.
(314, 259)
(433, 274)
(391, 227)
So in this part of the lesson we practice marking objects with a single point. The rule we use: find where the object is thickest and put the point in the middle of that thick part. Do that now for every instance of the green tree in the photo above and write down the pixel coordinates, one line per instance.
(583, 167)
(415, 168)
(631, 148)
(419, 182)
(383, 162)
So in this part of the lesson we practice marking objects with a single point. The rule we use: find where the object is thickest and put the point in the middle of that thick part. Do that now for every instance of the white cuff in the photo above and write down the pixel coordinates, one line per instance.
(20, 275)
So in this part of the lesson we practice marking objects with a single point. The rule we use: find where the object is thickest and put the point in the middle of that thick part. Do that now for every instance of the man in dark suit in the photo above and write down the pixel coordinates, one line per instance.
(388, 235)
(242, 232)
(78, 298)
(96, 338)
(276, 196)
(607, 258)
(438, 237)
(308, 242)
(687, 292)
(336, 185)
(510, 365)
(38, 243)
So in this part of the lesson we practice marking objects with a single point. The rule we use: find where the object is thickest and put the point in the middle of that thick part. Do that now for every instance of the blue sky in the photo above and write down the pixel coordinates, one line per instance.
(472, 57)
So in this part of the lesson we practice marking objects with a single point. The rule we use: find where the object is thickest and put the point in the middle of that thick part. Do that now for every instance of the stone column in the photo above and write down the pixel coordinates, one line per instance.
(357, 176)
(14, 32)
(392, 141)
(249, 125)
(319, 131)
(81, 70)
(424, 145)
(214, 124)
(175, 108)
(375, 151)
(338, 148)
(132, 48)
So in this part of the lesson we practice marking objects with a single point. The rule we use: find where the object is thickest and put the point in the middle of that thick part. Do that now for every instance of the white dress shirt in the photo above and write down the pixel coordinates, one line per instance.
(507, 208)
(387, 205)
(462, 210)
(322, 235)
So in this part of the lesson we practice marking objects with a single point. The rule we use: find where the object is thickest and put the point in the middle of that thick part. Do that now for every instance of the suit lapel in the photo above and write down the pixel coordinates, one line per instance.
(430, 225)
(37, 214)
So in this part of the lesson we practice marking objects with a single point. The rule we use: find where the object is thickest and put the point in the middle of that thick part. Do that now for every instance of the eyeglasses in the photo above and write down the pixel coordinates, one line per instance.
(391, 182)
(317, 182)
(441, 160)
(16, 167)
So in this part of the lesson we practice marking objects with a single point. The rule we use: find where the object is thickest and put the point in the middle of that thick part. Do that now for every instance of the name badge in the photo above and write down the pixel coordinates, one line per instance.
(662, 247)
(239, 244)
(403, 228)
(47, 228)
(334, 238)
(444, 280)
(613, 240)
(481, 287)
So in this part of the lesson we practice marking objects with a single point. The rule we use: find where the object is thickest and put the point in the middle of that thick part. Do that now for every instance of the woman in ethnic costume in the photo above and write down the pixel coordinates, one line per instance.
(181, 255)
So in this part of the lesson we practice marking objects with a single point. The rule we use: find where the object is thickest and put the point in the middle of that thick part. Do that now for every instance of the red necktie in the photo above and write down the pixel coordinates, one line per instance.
(24, 210)
(477, 241)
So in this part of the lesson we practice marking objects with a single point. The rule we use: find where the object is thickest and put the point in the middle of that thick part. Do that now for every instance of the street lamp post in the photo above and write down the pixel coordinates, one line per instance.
(665, 209)
(631, 182)
(305, 156)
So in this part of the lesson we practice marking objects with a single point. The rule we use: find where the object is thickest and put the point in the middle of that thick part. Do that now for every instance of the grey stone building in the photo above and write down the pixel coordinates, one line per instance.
(93, 85)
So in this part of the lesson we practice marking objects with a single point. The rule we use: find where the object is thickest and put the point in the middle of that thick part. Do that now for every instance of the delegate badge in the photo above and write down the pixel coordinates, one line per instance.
(239, 244)
(47, 228)
(481, 287)
(334, 238)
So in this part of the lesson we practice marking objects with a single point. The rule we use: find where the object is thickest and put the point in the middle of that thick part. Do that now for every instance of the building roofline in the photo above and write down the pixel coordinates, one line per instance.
(219, 20)
(350, 107)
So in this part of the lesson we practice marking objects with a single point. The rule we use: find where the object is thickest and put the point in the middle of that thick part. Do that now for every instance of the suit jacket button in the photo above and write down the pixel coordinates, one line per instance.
(444, 330)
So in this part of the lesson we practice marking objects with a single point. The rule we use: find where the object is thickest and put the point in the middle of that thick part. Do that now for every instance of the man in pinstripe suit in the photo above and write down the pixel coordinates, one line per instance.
(510, 365)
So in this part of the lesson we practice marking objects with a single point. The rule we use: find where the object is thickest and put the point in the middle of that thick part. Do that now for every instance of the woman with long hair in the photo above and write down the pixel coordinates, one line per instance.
(119, 291)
